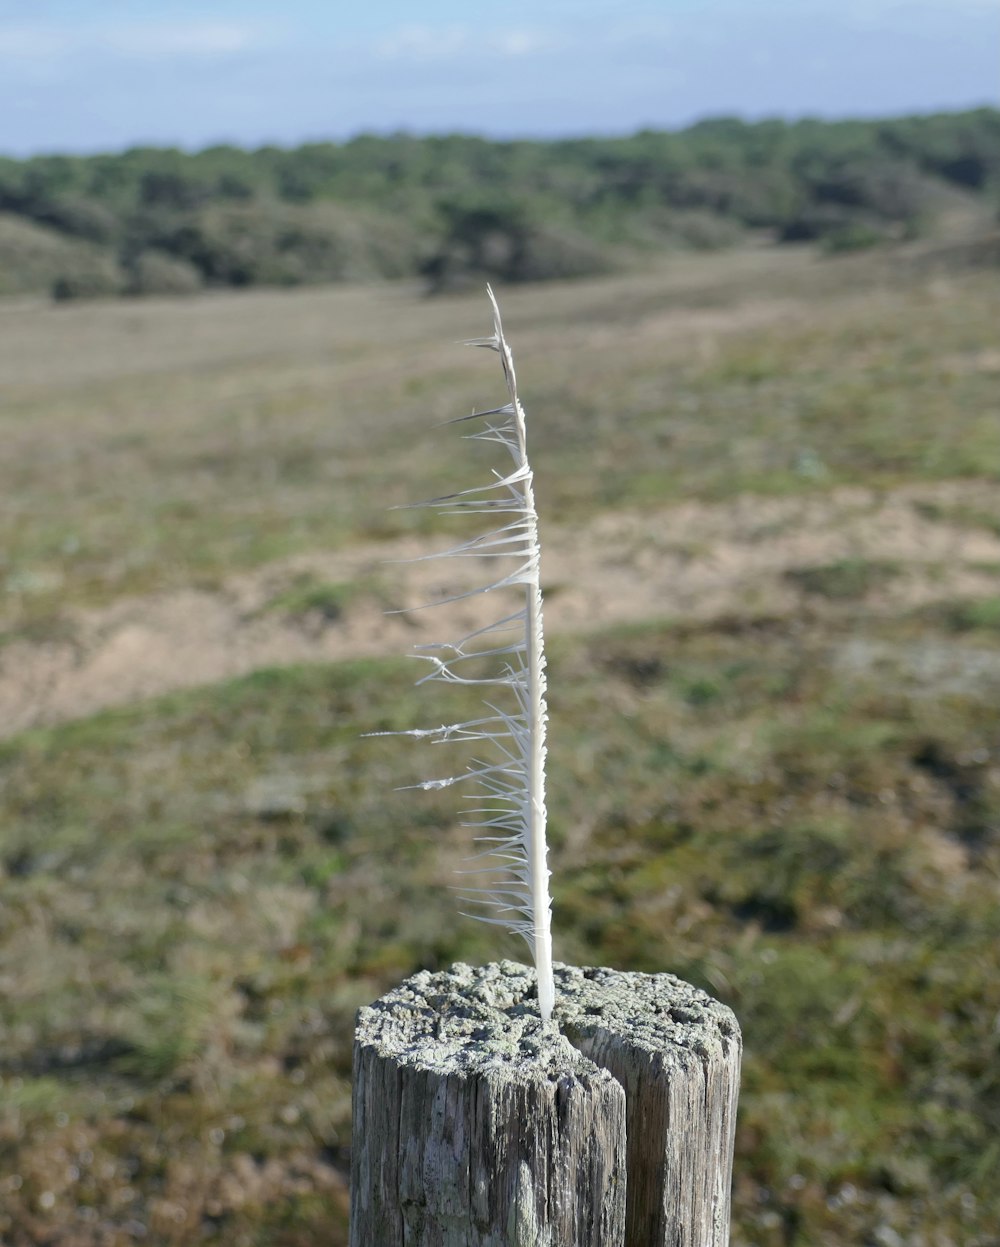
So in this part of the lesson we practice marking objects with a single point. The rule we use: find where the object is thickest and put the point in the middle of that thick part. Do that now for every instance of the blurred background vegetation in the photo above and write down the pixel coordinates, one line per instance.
(768, 481)
(453, 209)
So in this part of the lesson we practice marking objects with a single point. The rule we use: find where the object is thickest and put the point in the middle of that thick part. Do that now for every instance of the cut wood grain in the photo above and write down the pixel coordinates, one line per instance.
(476, 1125)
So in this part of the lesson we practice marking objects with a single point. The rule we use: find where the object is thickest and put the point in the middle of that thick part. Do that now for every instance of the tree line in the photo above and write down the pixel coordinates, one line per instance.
(452, 208)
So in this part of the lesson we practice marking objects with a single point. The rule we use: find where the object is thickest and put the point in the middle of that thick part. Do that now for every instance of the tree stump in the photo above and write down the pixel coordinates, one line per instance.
(475, 1125)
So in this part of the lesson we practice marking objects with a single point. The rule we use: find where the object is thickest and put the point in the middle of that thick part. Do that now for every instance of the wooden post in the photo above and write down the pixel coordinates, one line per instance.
(477, 1126)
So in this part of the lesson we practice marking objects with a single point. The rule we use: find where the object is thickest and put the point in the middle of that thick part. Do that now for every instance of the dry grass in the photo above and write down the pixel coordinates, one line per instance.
(152, 446)
(774, 770)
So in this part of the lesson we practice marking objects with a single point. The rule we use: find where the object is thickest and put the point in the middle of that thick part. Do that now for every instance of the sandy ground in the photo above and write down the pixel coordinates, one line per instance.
(695, 562)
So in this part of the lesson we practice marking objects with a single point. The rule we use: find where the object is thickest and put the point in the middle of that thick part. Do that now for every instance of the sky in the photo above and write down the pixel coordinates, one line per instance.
(98, 75)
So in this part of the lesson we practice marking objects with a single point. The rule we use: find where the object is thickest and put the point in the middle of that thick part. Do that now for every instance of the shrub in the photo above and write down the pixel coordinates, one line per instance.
(705, 231)
(271, 243)
(501, 241)
(33, 257)
(854, 237)
(97, 279)
(79, 217)
(155, 272)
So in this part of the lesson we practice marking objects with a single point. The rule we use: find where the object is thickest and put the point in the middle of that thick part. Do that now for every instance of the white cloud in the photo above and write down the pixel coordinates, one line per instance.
(519, 42)
(35, 42)
(199, 38)
(423, 43)
(41, 43)
(437, 44)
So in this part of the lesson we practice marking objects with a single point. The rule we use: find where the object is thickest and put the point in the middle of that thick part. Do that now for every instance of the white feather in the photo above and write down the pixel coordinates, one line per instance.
(510, 784)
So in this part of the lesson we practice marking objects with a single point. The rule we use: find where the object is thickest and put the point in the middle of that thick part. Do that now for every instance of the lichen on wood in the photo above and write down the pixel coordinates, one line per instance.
(475, 1123)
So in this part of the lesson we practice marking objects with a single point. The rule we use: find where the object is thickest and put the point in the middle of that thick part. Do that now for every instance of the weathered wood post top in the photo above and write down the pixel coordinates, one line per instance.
(476, 1125)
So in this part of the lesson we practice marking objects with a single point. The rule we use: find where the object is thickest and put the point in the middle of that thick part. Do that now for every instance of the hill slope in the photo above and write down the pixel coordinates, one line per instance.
(455, 207)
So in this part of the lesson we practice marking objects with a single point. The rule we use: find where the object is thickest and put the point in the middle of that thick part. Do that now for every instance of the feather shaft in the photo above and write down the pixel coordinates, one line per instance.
(509, 783)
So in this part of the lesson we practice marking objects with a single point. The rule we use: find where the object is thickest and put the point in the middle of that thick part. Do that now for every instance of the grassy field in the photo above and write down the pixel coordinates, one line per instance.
(769, 492)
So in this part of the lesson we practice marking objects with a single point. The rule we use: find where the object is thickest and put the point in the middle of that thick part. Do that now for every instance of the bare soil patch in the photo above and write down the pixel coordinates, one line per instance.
(695, 561)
